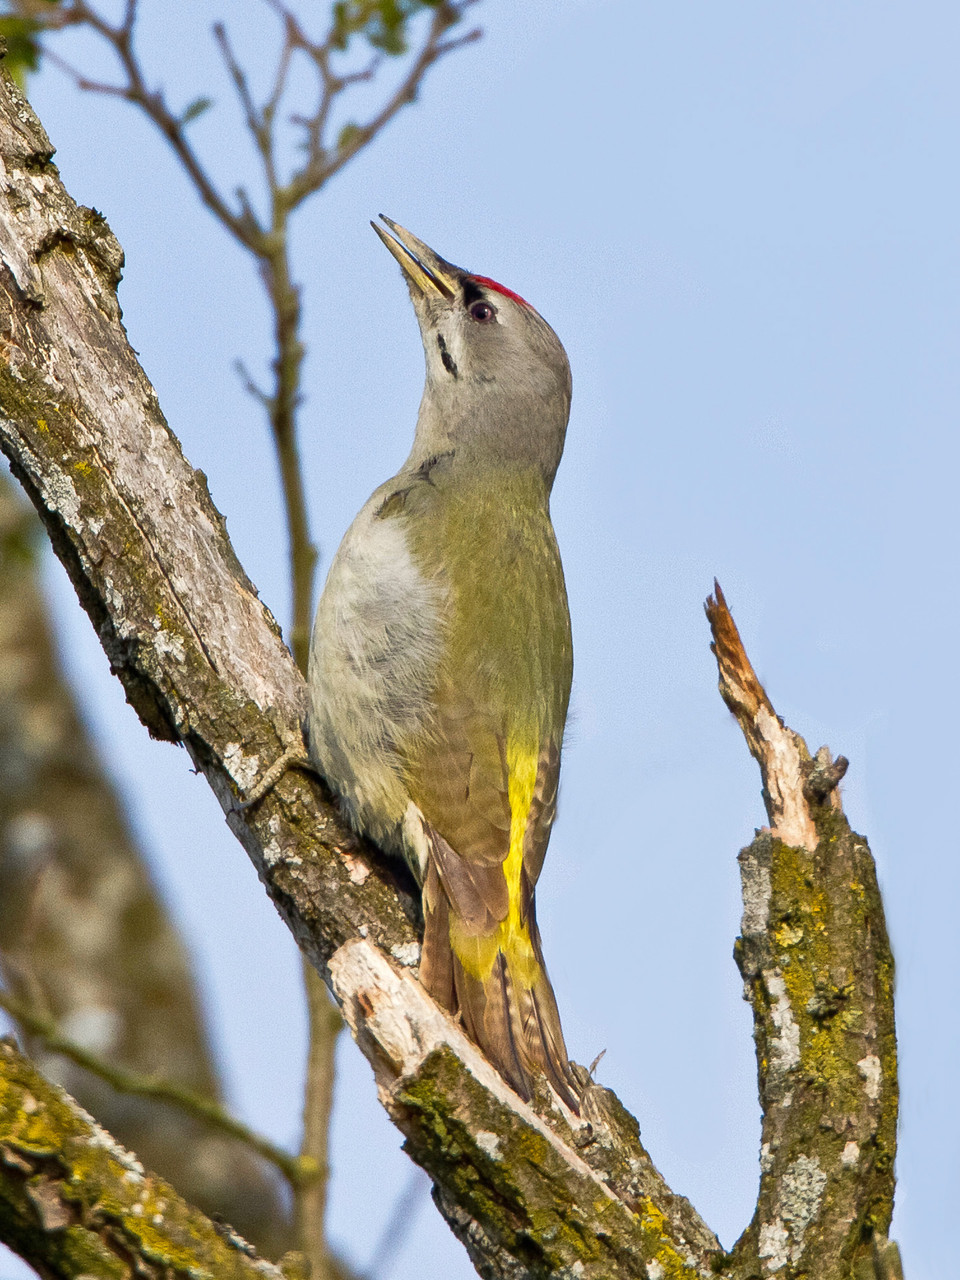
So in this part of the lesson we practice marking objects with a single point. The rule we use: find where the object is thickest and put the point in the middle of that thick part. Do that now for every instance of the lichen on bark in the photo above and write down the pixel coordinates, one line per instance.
(74, 1203)
(819, 977)
(818, 972)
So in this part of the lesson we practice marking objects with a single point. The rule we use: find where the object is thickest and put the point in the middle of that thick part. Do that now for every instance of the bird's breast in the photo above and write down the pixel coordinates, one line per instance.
(374, 656)
(506, 625)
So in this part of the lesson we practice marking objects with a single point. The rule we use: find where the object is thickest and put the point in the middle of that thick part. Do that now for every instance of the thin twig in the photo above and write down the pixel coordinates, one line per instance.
(310, 1202)
(315, 175)
(398, 1225)
(280, 78)
(250, 384)
(240, 83)
(153, 103)
(298, 1171)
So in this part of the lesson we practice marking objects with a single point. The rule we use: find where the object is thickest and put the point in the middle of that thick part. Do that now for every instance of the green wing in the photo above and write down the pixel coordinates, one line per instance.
(484, 773)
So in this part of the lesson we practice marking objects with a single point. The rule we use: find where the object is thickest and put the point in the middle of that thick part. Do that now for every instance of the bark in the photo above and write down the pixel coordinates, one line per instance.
(73, 1202)
(84, 936)
(818, 972)
(532, 1191)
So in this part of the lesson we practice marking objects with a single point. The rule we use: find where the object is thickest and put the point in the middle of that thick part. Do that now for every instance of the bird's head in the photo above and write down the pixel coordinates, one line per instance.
(498, 379)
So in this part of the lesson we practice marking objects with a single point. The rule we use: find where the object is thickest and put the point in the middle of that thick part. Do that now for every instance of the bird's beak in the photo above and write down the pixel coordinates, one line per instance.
(425, 270)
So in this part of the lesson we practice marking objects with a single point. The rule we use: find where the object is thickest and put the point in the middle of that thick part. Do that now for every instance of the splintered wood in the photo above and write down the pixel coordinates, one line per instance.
(791, 778)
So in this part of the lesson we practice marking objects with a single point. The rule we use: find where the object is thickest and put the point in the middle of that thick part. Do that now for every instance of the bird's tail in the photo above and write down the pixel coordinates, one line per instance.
(502, 993)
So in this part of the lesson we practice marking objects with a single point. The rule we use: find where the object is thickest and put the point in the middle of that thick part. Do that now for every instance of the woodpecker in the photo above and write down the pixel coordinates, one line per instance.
(441, 658)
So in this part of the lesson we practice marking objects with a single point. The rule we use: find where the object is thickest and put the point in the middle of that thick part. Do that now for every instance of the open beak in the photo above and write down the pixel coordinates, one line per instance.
(432, 275)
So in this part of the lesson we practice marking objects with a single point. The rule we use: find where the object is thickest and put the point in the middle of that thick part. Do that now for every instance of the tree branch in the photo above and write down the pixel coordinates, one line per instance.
(532, 1191)
(297, 1171)
(152, 102)
(85, 938)
(202, 662)
(818, 971)
(324, 163)
(74, 1203)
(310, 1197)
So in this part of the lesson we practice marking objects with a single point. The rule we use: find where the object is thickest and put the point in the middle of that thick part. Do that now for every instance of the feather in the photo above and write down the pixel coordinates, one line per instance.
(486, 963)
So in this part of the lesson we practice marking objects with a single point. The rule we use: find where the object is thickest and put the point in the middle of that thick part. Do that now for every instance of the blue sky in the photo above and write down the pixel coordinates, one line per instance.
(742, 221)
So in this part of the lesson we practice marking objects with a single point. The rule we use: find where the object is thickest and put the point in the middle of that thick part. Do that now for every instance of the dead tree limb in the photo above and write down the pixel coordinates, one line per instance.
(818, 973)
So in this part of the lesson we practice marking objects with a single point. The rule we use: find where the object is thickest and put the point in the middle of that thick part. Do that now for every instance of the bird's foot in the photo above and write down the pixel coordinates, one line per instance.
(294, 757)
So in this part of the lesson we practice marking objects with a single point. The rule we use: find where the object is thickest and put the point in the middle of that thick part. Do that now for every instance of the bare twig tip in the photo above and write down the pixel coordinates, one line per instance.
(595, 1063)
(715, 601)
(825, 776)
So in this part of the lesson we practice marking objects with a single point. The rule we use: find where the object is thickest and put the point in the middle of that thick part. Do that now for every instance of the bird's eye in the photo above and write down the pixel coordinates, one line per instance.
(482, 311)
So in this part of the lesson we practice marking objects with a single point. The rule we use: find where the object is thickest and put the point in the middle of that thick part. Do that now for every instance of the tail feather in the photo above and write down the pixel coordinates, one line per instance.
(494, 978)
(548, 1018)
(549, 1034)
(436, 962)
(515, 1024)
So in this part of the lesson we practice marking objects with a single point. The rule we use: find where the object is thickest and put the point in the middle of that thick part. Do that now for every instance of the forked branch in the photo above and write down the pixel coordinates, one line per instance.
(530, 1191)
(202, 662)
